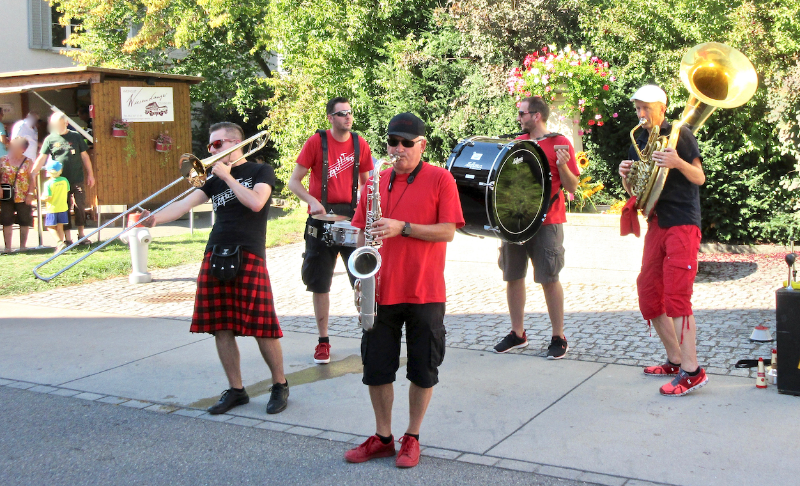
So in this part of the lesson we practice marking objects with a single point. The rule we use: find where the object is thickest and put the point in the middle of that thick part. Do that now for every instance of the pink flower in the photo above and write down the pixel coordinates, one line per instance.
(547, 89)
(615, 115)
(603, 74)
(529, 59)
(605, 87)
(580, 102)
(598, 116)
(613, 78)
(600, 124)
(570, 196)
(589, 130)
(544, 49)
(581, 132)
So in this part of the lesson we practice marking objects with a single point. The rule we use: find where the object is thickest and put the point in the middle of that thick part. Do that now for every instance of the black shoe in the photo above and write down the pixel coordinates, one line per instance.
(230, 398)
(512, 341)
(558, 348)
(278, 400)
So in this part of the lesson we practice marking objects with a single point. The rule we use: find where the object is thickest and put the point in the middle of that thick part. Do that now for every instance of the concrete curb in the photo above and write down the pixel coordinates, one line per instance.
(331, 435)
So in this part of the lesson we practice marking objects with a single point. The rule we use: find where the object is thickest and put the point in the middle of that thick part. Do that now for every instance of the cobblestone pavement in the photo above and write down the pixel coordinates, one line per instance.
(732, 294)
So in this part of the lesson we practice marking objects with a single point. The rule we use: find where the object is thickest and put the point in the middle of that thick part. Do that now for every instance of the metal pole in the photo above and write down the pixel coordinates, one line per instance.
(39, 208)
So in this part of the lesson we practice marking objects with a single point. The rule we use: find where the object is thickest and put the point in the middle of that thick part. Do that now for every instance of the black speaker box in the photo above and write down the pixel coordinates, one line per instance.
(787, 316)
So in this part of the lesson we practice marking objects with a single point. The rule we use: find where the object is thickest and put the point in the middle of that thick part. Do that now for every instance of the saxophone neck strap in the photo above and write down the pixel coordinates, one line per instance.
(411, 176)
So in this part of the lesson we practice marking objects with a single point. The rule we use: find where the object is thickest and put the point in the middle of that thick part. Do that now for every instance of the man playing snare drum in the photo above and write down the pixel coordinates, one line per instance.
(546, 248)
(332, 187)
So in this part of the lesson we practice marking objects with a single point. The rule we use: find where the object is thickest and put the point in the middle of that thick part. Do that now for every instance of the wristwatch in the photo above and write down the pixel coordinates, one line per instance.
(406, 229)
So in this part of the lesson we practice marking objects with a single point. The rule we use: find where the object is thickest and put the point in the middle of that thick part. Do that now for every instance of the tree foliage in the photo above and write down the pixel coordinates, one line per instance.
(276, 62)
(742, 199)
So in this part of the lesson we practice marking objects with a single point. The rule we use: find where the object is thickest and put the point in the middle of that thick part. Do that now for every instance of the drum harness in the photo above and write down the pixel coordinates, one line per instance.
(350, 209)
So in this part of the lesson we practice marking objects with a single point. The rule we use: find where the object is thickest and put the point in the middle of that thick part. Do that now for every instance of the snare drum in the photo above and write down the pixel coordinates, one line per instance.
(504, 186)
(340, 233)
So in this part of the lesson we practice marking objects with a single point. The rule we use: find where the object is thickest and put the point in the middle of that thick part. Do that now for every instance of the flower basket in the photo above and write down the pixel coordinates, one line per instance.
(580, 80)
(163, 143)
(163, 147)
(119, 129)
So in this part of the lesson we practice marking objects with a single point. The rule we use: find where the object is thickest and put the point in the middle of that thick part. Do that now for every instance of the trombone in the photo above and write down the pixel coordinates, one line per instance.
(193, 170)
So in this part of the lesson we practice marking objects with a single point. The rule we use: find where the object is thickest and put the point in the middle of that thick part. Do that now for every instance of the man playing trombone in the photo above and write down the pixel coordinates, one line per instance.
(421, 211)
(234, 297)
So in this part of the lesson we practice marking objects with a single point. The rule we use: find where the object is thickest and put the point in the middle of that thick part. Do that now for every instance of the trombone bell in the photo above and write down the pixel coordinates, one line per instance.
(193, 170)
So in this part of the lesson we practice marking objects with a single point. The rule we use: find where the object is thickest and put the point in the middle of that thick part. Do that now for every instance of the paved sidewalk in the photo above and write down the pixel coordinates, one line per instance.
(602, 320)
(593, 417)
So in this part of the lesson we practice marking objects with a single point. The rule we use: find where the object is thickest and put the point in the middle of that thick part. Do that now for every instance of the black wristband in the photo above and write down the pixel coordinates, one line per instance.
(406, 229)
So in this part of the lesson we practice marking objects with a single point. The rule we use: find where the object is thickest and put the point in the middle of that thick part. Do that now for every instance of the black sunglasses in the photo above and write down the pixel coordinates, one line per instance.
(394, 142)
(342, 113)
(523, 113)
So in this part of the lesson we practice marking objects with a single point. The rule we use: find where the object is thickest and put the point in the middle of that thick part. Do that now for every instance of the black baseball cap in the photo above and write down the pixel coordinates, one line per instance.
(406, 125)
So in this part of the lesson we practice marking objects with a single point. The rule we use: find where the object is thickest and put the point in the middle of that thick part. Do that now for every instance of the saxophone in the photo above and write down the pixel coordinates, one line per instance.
(644, 174)
(365, 261)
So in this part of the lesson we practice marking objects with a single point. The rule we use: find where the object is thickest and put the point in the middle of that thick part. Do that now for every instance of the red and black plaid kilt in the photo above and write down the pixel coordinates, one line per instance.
(243, 305)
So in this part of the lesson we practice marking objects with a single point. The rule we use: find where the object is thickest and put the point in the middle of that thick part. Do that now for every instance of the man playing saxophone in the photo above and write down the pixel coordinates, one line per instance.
(669, 260)
(420, 212)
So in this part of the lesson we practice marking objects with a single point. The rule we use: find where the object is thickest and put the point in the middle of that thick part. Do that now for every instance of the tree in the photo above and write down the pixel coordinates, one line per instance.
(221, 40)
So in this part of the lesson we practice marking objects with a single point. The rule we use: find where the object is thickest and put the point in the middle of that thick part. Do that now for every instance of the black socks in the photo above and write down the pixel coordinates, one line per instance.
(677, 365)
(324, 340)
(385, 440)
(238, 390)
(693, 373)
(416, 436)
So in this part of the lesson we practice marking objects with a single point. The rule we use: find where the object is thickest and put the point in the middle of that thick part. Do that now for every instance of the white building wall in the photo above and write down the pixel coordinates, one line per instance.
(15, 53)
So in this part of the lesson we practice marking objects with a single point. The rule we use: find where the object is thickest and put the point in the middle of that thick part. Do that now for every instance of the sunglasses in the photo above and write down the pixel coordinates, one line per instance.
(342, 113)
(218, 143)
(394, 142)
(523, 113)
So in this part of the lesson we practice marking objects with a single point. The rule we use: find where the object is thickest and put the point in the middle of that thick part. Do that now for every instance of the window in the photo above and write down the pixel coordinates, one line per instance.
(61, 33)
(44, 31)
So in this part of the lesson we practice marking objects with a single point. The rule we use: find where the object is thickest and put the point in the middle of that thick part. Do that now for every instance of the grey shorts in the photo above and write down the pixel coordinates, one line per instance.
(546, 251)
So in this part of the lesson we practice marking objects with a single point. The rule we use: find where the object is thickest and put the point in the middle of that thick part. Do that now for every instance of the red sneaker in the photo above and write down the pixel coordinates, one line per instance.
(409, 452)
(322, 353)
(372, 448)
(684, 384)
(665, 369)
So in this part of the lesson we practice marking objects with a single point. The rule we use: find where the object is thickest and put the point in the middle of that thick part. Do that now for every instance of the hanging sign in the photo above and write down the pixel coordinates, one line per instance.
(147, 104)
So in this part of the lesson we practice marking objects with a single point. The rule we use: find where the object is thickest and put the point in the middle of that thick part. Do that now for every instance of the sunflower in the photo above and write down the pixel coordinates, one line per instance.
(582, 159)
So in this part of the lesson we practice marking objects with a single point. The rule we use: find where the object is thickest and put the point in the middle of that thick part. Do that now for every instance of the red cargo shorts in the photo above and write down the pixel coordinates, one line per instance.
(669, 265)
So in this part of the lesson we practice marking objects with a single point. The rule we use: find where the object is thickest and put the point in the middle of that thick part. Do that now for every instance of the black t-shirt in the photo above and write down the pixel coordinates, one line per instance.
(679, 203)
(235, 223)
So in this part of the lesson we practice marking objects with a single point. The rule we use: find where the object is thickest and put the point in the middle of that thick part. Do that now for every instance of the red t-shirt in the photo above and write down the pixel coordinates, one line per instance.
(340, 166)
(412, 270)
(558, 211)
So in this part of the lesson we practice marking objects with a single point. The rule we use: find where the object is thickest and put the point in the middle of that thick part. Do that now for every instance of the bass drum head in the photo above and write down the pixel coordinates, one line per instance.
(519, 199)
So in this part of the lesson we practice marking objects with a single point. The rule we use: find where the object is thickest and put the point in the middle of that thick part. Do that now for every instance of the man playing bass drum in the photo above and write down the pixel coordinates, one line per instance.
(421, 211)
(546, 248)
(669, 260)
(333, 157)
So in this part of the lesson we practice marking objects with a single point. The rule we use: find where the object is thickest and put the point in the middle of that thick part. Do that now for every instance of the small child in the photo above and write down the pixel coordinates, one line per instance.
(56, 209)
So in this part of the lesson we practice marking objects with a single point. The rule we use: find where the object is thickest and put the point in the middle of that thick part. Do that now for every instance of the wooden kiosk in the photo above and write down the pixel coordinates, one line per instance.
(127, 168)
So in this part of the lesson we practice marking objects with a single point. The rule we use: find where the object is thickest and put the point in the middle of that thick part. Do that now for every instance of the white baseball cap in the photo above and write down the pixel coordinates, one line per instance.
(650, 93)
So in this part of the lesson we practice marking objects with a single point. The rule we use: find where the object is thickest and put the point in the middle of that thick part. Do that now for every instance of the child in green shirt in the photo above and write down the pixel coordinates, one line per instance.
(55, 196)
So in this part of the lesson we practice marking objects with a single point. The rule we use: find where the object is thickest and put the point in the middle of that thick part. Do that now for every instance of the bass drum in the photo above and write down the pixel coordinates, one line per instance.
(504, 186)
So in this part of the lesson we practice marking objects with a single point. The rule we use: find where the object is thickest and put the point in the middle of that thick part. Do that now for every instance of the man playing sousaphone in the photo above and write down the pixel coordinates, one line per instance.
(333, 157)
(669, 260)
(234, 296)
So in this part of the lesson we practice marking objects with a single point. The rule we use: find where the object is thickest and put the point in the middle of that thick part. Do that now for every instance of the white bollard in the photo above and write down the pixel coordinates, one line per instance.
(138, 239)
